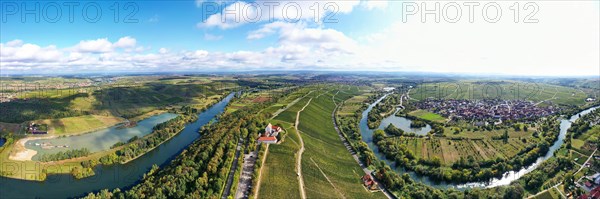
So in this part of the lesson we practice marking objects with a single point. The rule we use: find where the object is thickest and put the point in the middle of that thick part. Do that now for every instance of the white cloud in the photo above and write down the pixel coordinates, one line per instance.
(564, 42)
(234, 15)
(240, 12)
(125, 42)
(14, 43)
(16, 51)
(94, 46)
(163, 50)
(269, 29)
(103, 45)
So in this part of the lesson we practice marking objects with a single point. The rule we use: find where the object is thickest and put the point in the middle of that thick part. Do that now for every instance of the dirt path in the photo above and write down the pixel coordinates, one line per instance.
(289, 105)
(299, 158)
(327, 178)
(260, 172)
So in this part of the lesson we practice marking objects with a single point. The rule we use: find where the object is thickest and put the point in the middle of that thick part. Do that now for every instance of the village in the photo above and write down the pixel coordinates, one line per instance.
(591, 184)
(483, 110)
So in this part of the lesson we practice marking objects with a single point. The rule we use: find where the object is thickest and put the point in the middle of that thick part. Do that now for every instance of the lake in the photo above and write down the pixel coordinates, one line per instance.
(100, 140)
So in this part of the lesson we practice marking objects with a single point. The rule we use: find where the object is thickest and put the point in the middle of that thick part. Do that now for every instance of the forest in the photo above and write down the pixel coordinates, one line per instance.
(73, 153)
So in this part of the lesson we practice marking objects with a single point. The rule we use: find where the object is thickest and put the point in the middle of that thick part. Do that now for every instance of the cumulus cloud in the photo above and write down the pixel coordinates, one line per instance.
(15, 51)
(240, 12)
(102, 45)
(125, 42)
(94, 46)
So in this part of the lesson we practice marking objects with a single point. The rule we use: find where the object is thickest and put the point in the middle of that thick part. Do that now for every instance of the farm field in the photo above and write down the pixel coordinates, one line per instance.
(134, 100)
(353, 104)
(278, 178)
(80, 124)
(466, 132)
(426, 115)
(450, 151)
(325, 152)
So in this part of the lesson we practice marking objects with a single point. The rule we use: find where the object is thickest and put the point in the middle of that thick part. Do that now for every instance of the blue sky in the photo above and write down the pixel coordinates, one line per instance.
(367, 35)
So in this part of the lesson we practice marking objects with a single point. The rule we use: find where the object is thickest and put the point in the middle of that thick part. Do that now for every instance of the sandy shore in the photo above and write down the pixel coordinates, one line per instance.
(21, 153)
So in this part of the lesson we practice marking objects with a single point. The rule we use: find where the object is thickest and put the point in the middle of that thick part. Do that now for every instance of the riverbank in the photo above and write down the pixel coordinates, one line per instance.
(21, 153)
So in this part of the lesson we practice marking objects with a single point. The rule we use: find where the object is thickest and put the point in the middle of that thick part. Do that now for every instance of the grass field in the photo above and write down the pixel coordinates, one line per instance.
(551, 194)
(325, 150)
(80, 124)
(426, 115)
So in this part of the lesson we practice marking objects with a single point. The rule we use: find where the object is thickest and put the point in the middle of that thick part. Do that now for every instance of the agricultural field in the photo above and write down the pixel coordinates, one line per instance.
(353, 104)
(450, 151)
(129, 101)
(470, 132)
(508, 90)
(426, 115)
(278, 178)
(79, 124)
(329, 171)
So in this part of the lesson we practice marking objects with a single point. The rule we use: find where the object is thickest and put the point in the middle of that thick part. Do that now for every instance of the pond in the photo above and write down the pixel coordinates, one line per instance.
(404, 124)
(2, 141)
(113, 176)
(507, 178)
(98, 140)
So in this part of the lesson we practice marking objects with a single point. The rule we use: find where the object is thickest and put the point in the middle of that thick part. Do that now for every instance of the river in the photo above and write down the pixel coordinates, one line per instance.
(112, 176)
(507, 177)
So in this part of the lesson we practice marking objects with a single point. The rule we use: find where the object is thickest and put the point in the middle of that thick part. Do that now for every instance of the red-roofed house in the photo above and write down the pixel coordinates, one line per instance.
(368, 182)
(267, 140)
(594, 194)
